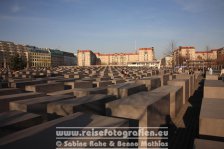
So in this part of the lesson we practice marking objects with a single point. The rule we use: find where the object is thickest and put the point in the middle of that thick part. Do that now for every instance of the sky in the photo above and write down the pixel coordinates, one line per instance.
(110, 26)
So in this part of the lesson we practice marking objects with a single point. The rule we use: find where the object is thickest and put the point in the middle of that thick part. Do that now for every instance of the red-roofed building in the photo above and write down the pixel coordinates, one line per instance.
(206, 55)
(184, 54)
(86, 58)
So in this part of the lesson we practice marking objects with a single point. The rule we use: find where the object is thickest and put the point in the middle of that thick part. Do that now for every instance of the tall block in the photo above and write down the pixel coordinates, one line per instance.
(185, 84)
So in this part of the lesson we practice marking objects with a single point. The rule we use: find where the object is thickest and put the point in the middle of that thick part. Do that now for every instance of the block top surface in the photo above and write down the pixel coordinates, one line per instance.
(167, 88)
(179, 80)
(42, 131)
(11, 117)
(214, 83)
(90, 89)
(19, 95)
(82, 100)
(212, 108)
(141, 99)
(43, 99)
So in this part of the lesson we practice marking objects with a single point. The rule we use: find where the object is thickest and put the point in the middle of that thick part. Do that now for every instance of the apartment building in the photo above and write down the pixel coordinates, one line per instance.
(57, 58)
(220, 57)
(206, 55)
(1, 60)
(38, 57)
(167, 61)
(69, 59)
(183, 54)
(87, 57)
(8, 50)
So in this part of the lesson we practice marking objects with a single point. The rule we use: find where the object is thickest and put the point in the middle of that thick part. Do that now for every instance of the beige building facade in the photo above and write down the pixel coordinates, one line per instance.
(167, 61)
(188, 56)
(183, 54)
(206, 55)
(220, 57)
(87, 57)
(38, 57)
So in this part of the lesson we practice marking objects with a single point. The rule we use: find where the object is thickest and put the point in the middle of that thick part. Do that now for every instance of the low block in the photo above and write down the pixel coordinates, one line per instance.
(45, 88)
(36, 105)
(38, 136)
(150, 82)
(79, 84)
(9, 91)
(208, 144)
(185, 84)
(92, 103)
(102, 83)
(212, 77)
(79, 92)
(63, 92)
(16, 119)
(125, 89)
(4, 100)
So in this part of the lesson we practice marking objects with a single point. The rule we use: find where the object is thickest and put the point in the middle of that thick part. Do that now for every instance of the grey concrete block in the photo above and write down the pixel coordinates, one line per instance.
(92, 103)
(18, 119)
(150, 82)
(36, 105)
(4, 100)
(176, 97)
(79, 84)
(9, 91)
(80, 92)
(211, 121)
(38, 136)
(207, 144)
(214, 89)
(45, 88)
(185, 84)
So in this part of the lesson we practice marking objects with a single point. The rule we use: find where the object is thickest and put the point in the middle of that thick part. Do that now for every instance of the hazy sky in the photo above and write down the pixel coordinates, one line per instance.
(113, 25)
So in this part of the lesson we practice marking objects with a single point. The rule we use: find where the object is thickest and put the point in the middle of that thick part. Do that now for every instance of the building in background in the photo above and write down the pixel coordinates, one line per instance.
(1, 60)
(183, 54)
(21, 50)
(57, 57)
(206, 55)
(116, 58)
(76, 61)
(167, 61)
(220, 57)
(204, 59)
(153, 64)
(87, 57)
(69, 58)
(38, 57)
(9, 49)
(35, 57)
(145, 54)
(187, 56)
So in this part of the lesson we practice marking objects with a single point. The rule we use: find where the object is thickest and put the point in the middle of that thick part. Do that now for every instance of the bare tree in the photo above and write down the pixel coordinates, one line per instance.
(170, 48)
(169, 51)
(207, 59)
